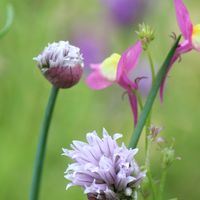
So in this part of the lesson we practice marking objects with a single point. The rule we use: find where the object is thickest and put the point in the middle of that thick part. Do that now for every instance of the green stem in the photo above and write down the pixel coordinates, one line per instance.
(148, 123)
(152, 95)
(9, 20)
(149, 174)
(162, 183)
(139, 99)
(135, 195)
(151, 65)
(37, 173)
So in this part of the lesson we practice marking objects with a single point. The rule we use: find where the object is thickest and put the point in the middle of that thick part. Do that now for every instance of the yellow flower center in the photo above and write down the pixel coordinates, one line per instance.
(109, 67)
(196, 37)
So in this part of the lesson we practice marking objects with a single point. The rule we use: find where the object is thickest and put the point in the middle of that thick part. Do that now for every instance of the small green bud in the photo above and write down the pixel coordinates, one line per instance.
(146, 35)
(168, 157)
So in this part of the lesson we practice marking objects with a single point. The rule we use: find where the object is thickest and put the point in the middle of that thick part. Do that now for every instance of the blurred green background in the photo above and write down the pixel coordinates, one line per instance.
(24, 93)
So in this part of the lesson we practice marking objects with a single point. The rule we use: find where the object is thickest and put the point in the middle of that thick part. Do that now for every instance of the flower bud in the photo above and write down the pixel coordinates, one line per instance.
(168, 157)
(154, 131)
(61, 63)
(128, 191)
(146, 35)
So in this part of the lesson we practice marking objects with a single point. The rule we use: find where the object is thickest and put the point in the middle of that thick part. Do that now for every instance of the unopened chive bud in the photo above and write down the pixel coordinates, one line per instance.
(61, 63)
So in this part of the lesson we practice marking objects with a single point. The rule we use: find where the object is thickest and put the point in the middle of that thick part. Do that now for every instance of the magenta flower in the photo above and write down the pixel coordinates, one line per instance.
(102, 168)
(190, 32)
(116, 69)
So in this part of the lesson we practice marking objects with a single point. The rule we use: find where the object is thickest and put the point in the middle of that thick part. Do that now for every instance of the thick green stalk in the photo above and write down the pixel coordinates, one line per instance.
(37, 173)
(152, 95)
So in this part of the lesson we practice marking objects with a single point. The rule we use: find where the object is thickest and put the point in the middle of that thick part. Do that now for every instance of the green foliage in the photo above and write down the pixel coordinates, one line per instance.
(24, 92)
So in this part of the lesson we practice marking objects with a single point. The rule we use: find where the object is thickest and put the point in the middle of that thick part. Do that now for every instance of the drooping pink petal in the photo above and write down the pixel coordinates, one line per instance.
(183, 19)
(126, 83)
(97, 82)
(162, 86)
(129, 59)
(186, 46)
(134, 106)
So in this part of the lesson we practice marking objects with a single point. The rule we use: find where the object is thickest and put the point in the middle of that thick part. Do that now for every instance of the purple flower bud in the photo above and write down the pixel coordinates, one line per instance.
(154, 131)
(102, 168)
(93, 48)
(61, 63)
(126, 12)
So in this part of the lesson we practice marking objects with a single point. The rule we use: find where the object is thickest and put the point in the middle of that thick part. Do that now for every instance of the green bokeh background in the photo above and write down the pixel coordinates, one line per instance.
(24, 93)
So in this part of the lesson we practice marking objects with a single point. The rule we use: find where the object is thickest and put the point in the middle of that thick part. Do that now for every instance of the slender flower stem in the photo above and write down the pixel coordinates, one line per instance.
(37, 173)
(139, 99)
(147, 142)
(149, 174)
(152, 95)
(162, 183)
(9, 20)
(135, 195)
(151, 65)
(148, 123)
(147, 131)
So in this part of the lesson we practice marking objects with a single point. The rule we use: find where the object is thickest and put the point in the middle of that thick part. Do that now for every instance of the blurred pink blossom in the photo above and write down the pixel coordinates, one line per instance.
(191, 35)
(117, 68)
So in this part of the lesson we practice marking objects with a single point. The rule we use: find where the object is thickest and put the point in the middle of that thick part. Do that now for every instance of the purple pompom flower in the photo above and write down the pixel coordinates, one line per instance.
(102, 168)
(61, 63)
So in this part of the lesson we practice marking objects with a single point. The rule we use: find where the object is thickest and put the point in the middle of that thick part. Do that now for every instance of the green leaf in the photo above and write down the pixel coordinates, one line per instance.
(9, 20)
(152, 95)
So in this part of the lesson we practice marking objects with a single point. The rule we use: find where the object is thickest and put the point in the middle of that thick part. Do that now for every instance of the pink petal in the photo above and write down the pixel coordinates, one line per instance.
(183, 48)
(95, 66)
(129, 59)
(126, 83)
(134, 107)
(162, 86)
(97, 82)
(183, 19)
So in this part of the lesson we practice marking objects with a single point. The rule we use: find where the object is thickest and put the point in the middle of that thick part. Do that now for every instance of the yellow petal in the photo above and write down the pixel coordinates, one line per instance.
(196, 37)
(109, 67)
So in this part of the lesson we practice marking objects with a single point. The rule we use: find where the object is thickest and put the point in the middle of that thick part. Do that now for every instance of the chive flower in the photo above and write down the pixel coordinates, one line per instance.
(102, 168)
(61, 63)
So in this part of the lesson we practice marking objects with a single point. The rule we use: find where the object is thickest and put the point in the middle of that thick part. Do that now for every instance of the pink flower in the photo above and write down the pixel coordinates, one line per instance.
(116, 69)
(190, 32)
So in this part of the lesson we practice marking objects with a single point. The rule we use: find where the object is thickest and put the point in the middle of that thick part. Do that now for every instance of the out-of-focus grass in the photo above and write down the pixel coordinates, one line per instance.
(24, 92)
